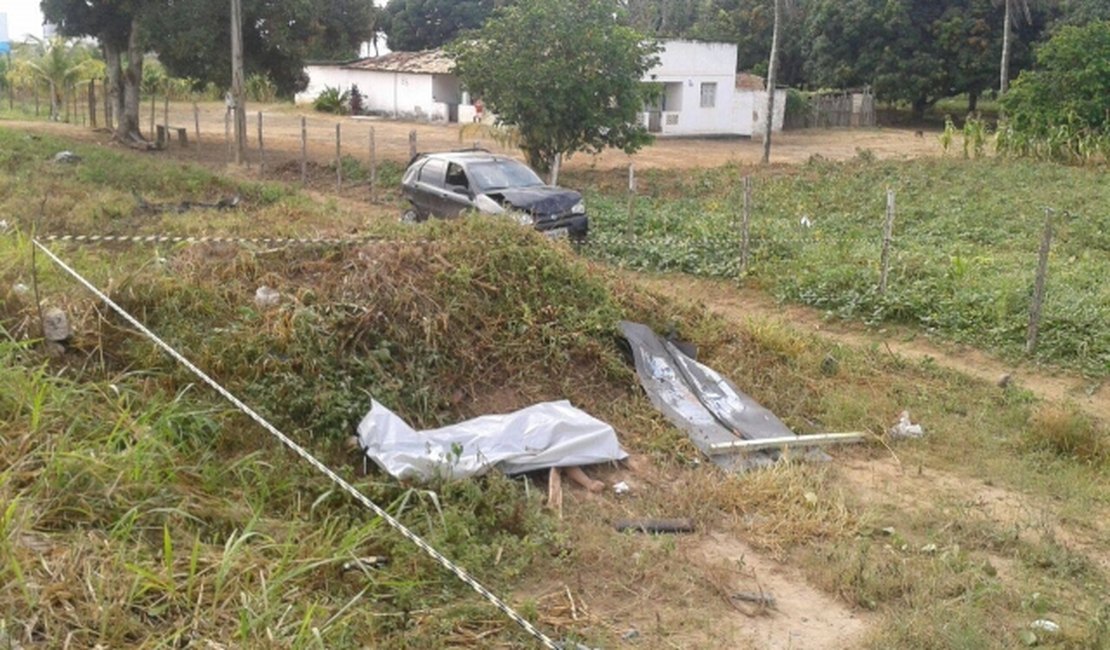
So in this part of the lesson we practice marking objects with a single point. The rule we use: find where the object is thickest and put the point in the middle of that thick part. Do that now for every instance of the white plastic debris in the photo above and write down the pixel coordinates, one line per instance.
(266, 297)
(20, 289)
(55, 325)
(66, 157)
(4, 225)
(549, 434)
(805, 222)
(904, 429)
(621, 488)
(1045, 625)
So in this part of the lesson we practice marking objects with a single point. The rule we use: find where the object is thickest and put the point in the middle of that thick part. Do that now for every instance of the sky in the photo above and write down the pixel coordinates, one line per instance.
(24, 18)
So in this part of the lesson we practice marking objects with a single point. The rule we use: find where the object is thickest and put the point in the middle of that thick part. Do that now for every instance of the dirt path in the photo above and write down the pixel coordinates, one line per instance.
(741, 304)
(282, 140)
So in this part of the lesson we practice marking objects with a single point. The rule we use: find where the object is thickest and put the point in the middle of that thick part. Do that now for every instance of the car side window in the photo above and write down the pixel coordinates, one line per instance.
(456, 176)
(432, 172)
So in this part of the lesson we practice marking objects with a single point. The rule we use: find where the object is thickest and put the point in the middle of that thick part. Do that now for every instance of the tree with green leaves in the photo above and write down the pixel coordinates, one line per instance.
(565, 73)
(917, 51)
(1011, 10)
(413, 25)
(750, 24)
(57, 64)
(1062, 106)
(192, 39)
(115, 24)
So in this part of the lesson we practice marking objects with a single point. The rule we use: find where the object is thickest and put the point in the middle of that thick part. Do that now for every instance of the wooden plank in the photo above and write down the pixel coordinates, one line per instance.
(815, 440)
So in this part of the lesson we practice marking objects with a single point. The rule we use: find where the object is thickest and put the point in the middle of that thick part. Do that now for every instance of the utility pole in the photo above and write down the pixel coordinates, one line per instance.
(237, 94)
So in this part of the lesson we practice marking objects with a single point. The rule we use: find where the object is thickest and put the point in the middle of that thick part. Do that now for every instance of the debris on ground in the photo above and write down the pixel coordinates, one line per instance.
(621, 488)
(1045, 625)
(266, 297)
(680, 525)
(728, 426)
(630, 634)
(182, 207)
(761, 598)
(66, 158)
(55, 325)
(904, 429)
(541, 436)
(364, 564)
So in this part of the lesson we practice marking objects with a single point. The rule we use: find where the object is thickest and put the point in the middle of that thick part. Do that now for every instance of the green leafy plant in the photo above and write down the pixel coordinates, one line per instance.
(332, 100)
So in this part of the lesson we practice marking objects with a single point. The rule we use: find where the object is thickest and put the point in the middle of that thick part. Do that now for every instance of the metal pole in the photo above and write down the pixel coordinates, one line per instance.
(815, 440)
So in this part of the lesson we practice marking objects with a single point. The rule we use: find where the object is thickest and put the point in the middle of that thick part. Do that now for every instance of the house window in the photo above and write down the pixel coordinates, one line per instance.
(709, 94)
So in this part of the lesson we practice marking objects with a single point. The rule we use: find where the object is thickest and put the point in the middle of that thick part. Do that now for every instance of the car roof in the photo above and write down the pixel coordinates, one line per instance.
(465, 156)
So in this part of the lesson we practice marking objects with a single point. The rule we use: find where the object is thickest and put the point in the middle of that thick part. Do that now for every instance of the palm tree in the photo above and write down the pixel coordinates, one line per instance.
(1009, 22)
(772, 78)
(59, 65)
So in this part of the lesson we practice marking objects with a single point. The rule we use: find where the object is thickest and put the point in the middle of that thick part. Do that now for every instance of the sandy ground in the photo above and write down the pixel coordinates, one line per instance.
(281, 141)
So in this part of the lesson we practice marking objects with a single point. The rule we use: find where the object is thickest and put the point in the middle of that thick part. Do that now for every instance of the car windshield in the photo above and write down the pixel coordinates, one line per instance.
(501, 174)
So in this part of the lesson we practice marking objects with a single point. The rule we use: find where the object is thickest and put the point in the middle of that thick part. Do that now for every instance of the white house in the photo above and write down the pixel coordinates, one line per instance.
(418, 85)
(701, 94)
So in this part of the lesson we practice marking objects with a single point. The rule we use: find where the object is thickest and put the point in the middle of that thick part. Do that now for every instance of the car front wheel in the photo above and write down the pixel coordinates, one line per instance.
(412, 216)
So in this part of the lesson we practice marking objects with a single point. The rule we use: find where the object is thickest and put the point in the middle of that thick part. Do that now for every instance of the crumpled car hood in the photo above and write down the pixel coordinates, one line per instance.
(542, 200)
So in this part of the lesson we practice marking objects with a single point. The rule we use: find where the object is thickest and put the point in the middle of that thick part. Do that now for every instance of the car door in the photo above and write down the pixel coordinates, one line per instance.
(428, 189)
(457, 195)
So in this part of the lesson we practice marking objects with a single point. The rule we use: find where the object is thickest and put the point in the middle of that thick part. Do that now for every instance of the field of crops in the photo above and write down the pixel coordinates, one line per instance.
(964, 254)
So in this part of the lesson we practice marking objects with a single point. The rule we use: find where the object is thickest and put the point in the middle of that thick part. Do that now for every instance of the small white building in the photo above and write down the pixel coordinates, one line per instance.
(700, 93)
(414, 85)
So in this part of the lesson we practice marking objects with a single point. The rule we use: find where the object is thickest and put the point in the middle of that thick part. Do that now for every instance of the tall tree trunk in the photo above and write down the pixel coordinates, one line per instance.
(131, 73)
(54, 110)
(772, 81)
(972, 101)
(114, 71)
(1004, 83)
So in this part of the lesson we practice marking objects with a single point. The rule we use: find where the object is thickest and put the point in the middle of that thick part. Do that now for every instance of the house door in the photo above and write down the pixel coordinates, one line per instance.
(655, 121)
(453, 113)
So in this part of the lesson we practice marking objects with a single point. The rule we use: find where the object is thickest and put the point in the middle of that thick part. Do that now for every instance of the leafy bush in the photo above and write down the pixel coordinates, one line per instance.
(332, 100)
(1059, 109)
(260, 88)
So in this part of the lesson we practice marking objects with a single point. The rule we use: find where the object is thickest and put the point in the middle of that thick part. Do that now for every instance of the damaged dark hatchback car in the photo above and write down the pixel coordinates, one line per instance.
(447, 185)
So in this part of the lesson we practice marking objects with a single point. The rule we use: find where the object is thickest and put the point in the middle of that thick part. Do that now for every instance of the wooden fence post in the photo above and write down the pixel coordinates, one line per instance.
(92, 103)
(304, 151)
(745, 226)
(166, 117)
(153, 97)
(1039, 285)
(261, 147)
(196, 124)
(227, 133)
(373, 168)
(888, 231)
(412, 144)
(338, 161)
(107, 106)
(631, 199)
(36, 90)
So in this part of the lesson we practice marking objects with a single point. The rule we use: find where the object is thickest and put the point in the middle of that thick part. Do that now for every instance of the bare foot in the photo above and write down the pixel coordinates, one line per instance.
(578, 476)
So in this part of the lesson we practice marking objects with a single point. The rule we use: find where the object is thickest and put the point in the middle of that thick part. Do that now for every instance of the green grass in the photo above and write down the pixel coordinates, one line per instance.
(964, 254)
(138, 510)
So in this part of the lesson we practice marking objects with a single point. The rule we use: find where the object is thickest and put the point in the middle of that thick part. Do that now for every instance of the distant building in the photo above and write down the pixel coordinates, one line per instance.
(413, 85)
(700, 92)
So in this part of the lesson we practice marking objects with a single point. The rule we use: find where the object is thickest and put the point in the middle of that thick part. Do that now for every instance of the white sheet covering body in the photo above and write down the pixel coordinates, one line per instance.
(549, 434)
